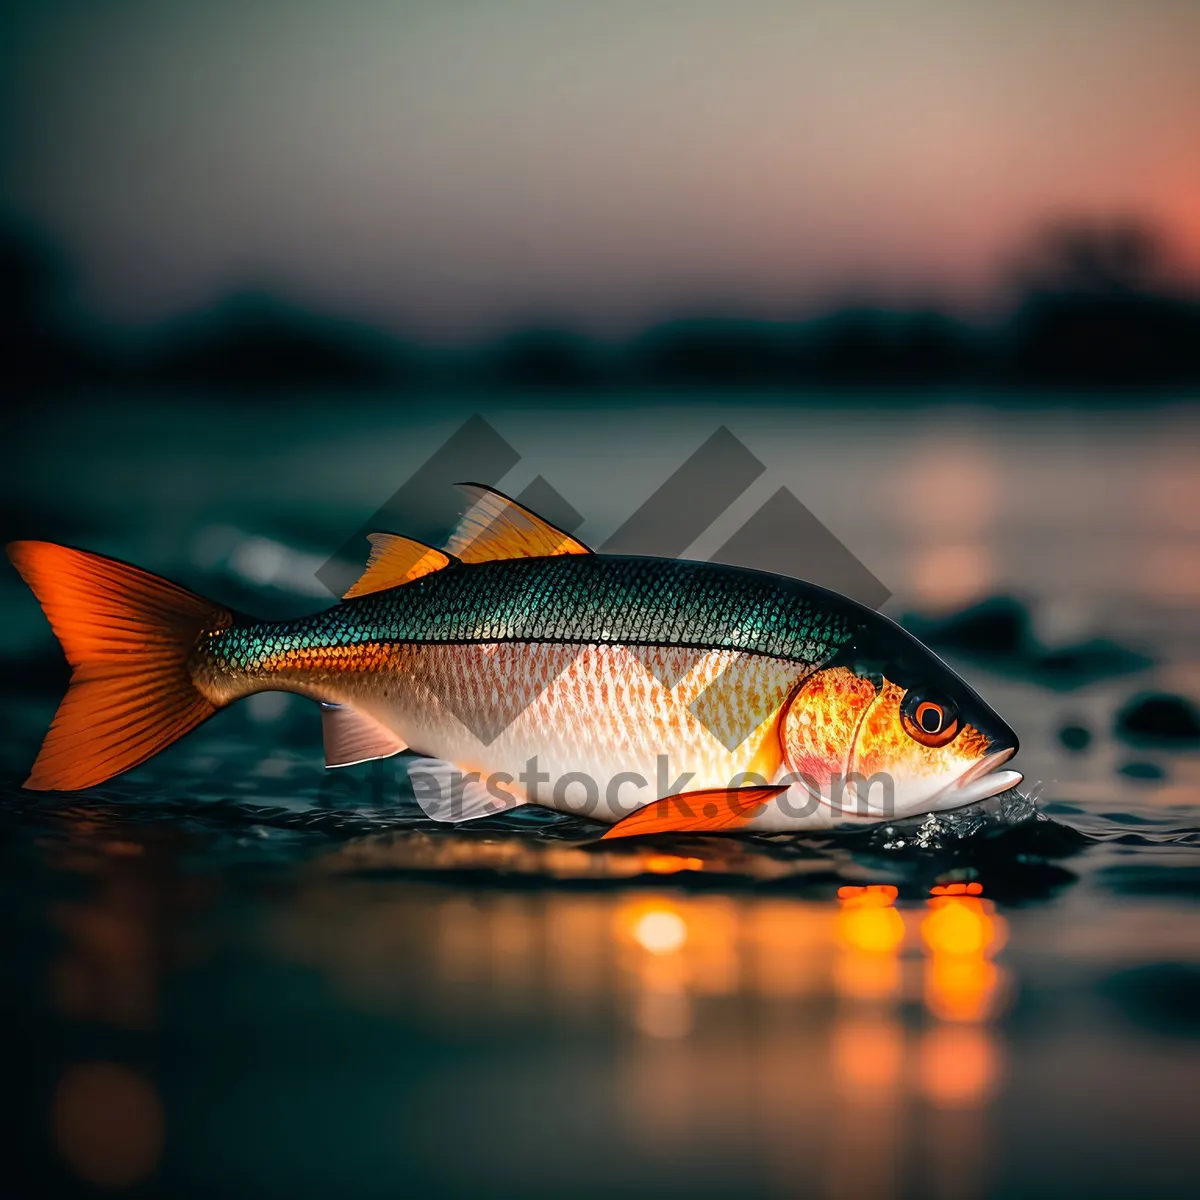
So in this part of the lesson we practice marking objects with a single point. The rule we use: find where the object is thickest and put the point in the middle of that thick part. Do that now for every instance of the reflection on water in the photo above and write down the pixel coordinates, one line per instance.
(962, 933)
(737, 1014)
(116, 941)
(950, 574)
(108, 1124)
(955, 487)
(117, 938)
(1172, 569)
(786, 1031)
(869, 932)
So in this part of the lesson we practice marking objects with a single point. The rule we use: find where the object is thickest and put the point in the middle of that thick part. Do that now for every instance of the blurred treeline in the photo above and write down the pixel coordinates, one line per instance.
(1090, 307)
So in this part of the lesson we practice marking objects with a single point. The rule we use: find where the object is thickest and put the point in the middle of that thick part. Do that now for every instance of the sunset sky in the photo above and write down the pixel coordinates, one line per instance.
(456, 167)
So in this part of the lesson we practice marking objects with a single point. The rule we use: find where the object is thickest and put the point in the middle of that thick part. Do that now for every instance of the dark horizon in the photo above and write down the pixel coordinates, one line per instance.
(1091, 305)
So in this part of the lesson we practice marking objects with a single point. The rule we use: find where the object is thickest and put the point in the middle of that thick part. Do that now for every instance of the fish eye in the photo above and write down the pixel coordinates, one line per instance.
(929, 719)
(931, 716)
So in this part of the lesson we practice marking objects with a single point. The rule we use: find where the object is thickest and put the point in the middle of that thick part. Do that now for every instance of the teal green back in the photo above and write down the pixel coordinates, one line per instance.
(581, 599)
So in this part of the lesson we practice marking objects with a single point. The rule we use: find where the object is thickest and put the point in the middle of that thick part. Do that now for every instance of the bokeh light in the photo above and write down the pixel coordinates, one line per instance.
(108, 1123)
(661, 932)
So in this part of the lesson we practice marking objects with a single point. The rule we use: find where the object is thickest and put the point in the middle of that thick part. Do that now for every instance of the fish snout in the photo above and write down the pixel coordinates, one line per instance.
(983, 779)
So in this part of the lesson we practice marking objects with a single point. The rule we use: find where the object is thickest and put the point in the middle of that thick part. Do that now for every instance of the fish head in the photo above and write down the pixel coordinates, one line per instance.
(887, 730)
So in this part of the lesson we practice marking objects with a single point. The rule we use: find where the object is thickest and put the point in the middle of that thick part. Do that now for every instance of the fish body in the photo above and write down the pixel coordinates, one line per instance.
(593, 666)
(525, 669)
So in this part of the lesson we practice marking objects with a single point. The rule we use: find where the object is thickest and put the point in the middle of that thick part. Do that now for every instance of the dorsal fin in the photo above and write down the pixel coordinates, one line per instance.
(395, 560)
(496, 526)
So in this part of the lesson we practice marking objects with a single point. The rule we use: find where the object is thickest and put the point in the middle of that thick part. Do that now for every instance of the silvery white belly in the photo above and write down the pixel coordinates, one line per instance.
(593, 730)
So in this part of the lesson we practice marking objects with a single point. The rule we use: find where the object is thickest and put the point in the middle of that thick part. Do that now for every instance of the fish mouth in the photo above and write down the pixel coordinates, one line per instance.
(982, 780)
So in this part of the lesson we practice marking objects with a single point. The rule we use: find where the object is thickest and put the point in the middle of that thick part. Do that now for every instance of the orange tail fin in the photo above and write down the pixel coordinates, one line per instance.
(127, 635)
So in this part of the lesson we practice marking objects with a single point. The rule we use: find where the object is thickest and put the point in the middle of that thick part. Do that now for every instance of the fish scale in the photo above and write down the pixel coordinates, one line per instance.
(594, 709)
(584, 599)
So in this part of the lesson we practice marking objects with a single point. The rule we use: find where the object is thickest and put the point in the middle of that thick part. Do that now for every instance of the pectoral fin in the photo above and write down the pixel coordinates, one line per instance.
(351, 737)
(711, 810)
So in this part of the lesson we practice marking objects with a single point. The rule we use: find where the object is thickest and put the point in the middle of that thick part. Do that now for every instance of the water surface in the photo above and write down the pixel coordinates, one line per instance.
(232, 973)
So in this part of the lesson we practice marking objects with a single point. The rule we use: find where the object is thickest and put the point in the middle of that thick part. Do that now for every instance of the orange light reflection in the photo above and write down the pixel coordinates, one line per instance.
(958, 1066)
(771, 1004)
(962, 932)
(869, 933)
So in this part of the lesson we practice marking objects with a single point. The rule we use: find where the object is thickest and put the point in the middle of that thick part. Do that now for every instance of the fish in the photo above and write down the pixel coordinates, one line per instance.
(515, 666)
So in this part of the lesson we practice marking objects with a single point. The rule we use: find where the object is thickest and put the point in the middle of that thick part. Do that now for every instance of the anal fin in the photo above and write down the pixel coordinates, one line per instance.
(708, 810)
(351, 737)
(450, 794)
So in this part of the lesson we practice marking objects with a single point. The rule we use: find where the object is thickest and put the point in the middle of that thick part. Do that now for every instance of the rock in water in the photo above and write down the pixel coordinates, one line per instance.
(1159, 717)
